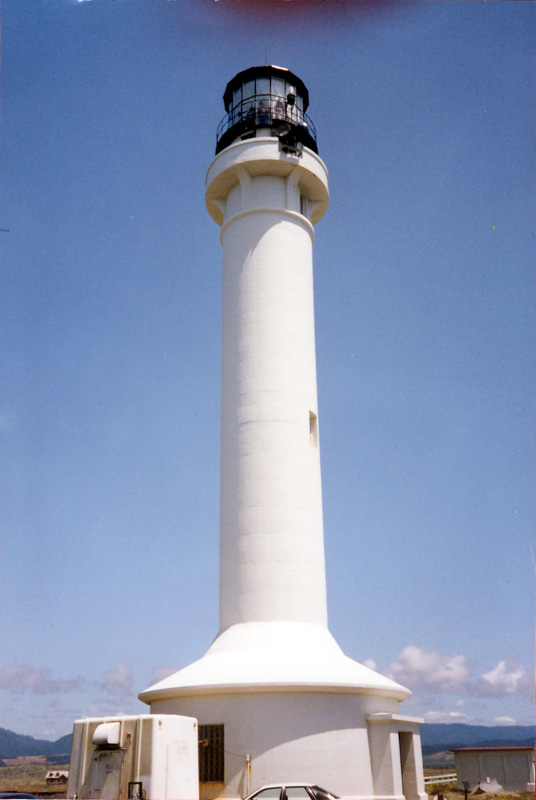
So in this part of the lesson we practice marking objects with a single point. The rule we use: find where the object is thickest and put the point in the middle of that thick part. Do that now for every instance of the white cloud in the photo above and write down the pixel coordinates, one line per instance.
(430, 672)
(48, 733)
(456, 716)
(446, 716)
(159, 673)
(508, 677)
(119, 678)
(370, 663)
(21, 678)
(420, 701)
(427, 669)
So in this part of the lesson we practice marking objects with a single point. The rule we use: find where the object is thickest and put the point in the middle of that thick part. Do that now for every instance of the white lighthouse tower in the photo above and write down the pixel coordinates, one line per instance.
(276, 698)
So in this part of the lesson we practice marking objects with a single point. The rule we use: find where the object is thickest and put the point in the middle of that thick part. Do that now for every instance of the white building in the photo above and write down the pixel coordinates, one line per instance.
(276, 698)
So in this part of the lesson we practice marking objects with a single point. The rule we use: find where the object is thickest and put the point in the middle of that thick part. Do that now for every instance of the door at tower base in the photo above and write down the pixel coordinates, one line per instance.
(145, 756)
(355, 745)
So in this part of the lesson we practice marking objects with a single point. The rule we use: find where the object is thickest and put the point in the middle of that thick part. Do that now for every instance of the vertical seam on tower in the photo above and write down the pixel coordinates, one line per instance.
(245, 185)
(291, 181)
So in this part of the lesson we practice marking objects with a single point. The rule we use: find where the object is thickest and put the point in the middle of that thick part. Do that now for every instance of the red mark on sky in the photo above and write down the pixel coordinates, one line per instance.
(298, 10)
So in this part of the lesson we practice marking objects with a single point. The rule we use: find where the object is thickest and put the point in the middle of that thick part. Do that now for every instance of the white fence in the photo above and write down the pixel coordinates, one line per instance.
(434, 779)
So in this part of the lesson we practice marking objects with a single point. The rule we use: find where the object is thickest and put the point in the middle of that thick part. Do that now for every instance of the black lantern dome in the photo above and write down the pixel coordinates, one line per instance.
(266, 101)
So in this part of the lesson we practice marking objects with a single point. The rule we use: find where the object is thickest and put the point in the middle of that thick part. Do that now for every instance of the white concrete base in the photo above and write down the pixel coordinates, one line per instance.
(322, 738)
(274, 656)
(295, 708)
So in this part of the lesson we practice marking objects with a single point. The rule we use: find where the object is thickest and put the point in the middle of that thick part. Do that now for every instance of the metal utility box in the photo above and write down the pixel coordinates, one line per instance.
(147, 757)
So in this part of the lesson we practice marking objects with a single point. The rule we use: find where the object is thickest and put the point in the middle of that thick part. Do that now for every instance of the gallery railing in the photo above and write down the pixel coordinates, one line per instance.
(264, 110)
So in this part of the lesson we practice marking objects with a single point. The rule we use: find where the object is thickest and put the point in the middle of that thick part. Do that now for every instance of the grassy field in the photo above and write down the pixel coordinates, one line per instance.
(30, 778)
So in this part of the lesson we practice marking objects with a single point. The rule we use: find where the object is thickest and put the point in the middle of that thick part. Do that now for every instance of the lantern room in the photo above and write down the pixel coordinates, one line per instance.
(267, 101)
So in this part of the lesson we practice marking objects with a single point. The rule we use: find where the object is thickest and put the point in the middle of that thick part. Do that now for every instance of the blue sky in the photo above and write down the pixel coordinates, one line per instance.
(425, 306)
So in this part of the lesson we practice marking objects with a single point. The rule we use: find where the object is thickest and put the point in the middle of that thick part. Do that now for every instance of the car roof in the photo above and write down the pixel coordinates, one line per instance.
(284, 783)
(289, 785)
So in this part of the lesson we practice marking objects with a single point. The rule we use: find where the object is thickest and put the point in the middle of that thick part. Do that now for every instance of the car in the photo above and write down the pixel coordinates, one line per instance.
(292, 791)
(17, 796)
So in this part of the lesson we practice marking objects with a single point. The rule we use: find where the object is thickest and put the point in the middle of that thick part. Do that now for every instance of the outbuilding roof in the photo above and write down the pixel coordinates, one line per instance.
(508, 747)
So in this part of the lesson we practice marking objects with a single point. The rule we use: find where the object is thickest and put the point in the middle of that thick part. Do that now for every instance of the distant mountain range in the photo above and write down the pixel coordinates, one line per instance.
(13, 745)
(434, 738)
(444, 737)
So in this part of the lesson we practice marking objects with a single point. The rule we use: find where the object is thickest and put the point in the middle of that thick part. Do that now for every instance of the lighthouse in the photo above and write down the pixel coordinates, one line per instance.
(276, 698)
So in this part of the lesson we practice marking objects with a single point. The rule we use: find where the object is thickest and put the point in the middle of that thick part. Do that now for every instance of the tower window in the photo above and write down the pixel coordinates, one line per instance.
(313, 429)
(211, 754)
(303, 205)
